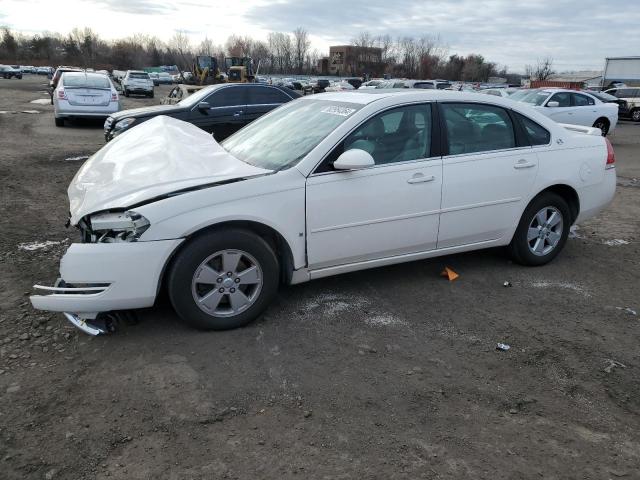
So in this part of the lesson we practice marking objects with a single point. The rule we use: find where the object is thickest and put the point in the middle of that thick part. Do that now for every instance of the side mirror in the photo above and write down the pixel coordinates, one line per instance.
(354, 159)
(553, 104)
(204, 106)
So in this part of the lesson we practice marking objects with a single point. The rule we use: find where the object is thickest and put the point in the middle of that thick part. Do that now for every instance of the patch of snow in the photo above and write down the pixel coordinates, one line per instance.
(615, 242)
(573, 232)
(41, 101)
(332, 305)
(76, 159)
(628, 310)
(32, 246)
(8, 111)
(30, 111)
(564, 285)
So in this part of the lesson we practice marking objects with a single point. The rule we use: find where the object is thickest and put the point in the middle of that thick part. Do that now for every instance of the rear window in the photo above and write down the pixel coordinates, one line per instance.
(87, 81)
(537, 134)
(142, 76)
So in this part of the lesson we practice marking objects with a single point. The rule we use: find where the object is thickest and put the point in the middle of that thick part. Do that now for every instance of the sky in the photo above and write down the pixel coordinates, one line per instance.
(577, 34)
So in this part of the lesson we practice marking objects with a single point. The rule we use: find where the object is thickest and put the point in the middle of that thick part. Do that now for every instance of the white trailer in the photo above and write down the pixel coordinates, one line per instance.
(621, 69)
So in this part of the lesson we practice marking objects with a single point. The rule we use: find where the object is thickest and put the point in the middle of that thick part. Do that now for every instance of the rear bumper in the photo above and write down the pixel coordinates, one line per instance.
(595, 198)
(101, 277)
(67, 111)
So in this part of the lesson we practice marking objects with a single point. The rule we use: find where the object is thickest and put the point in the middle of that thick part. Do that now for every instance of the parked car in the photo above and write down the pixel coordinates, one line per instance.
(324, 185)
(53, 83)
(7, 71)
(180, 92)
(137, 82)
(398, 83)
(319, 85)
(84, 95)
(27, 69)
(43, 70)
(499, 92)
(339, 86)
(220, 109)
(370, 84)
(631, 98)
(154, 78)
(576, 108)
(164, 78)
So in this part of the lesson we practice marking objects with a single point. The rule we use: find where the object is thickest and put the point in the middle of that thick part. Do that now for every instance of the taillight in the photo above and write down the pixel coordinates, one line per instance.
(114, 97)
(611, 156)
(62, 95)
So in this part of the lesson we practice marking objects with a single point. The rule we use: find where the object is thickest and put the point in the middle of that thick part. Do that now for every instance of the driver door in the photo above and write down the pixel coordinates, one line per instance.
(386, 210)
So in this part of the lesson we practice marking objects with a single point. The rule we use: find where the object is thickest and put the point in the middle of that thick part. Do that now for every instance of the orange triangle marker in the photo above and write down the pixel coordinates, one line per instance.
(449, 273)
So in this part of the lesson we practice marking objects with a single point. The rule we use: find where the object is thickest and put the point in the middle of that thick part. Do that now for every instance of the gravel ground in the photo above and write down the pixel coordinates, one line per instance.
(390, 373)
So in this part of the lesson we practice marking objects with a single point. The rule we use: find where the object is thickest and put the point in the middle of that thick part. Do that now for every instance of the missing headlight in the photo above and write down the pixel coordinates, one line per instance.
(111, 227)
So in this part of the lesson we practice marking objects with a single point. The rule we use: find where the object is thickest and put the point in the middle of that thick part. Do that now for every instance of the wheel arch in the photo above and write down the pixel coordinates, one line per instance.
(568, 193)
(275, 239)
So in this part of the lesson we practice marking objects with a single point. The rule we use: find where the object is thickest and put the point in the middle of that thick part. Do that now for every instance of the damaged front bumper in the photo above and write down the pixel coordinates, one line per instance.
(105, 277)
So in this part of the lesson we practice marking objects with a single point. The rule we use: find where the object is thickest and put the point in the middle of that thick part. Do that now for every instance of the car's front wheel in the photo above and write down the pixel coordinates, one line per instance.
(635, 115)
(542, 231)
(59, 122)
(223, 279)
(603, 125)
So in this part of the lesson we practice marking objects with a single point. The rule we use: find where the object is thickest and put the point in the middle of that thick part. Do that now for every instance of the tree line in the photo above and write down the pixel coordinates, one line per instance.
(281, 53)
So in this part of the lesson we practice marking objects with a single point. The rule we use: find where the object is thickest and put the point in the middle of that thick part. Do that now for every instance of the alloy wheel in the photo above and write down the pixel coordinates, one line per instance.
(227, 283)
(545, 231)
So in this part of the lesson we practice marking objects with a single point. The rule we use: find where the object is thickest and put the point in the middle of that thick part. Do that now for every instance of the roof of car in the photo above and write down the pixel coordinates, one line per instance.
(371, 95)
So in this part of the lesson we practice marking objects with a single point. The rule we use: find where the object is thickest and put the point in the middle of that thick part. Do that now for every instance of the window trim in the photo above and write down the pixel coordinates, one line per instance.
(434, 153)
(517, 133)
(517, 116)
(580, 94)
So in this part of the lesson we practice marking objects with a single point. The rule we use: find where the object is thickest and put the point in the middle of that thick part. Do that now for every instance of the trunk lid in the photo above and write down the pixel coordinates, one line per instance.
(81, 96)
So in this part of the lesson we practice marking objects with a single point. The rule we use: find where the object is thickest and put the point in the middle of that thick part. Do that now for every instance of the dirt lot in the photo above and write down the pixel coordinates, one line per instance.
(390, 373)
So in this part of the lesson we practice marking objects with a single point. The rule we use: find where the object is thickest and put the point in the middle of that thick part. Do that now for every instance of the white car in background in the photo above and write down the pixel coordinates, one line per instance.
(498, 92)
(573, 107)
(84, 95)
(137, 82)
(326, 184)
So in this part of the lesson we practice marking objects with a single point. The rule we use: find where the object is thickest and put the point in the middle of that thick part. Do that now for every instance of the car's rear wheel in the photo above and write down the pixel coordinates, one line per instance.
(59, 122)
(542, 231)
(603, 125)
(126, 92)
(635, 115)
(223, 279)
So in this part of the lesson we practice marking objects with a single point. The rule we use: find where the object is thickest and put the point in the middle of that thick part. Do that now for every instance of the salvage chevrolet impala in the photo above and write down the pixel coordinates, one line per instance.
(323, 185)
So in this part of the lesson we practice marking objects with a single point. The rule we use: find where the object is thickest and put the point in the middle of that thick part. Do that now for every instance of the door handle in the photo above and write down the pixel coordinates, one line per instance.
(523, 164)
(420, 178)
(237, 114)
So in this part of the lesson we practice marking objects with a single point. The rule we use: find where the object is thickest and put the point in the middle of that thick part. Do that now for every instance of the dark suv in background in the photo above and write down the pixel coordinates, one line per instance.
(220, 109)
(7, 71)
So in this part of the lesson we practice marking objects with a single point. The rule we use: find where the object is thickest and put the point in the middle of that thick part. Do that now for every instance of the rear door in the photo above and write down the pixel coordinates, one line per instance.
(263, 99)
(585, 110)
(488, 171)
(226, 111)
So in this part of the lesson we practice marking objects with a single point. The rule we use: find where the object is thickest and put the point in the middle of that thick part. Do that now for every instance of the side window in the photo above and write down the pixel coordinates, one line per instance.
(582, 100)
(537, 134)
(477, 128)
(563, 99)
(266, 95)
(635, 93)
(397, 135)
(623, 92)
(228, 97)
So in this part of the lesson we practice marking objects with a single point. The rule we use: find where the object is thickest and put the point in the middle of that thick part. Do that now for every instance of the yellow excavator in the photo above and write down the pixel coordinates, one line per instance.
(205, 71)
(239, 69)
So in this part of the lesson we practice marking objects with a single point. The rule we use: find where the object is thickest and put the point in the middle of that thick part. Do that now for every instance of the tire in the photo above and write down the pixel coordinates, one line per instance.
(603, 125)
(241, 247)
(521, 248)
(59, 122)
(126, 93)
(635, 114)
(151, 95)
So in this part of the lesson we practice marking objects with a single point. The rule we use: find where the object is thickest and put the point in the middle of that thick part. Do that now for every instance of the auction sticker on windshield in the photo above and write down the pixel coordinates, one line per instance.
(335, 110)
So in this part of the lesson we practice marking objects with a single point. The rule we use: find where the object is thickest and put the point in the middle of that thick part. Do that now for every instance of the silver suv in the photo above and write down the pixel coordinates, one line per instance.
(137, 82)
(631, 97)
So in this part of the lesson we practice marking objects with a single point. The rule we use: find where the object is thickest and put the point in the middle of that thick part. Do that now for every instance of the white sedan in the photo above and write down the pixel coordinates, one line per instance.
(573, 107)
(84, 95)
(323, 185)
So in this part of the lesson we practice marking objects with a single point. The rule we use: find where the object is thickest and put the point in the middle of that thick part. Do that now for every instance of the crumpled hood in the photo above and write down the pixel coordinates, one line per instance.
(155, 158)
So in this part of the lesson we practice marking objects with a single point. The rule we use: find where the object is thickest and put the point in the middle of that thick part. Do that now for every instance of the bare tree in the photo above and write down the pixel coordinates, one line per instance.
(542, 70)
(301, 47)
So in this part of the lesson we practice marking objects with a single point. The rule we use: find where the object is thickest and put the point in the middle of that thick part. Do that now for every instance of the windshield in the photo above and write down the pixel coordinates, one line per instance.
(197, 97)
(283, 137)
(535, 98)
(518, 94)
(84, 80)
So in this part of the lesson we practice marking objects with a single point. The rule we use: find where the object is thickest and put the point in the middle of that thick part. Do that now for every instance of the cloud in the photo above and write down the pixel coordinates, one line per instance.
(141, 7)
(577, 34)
